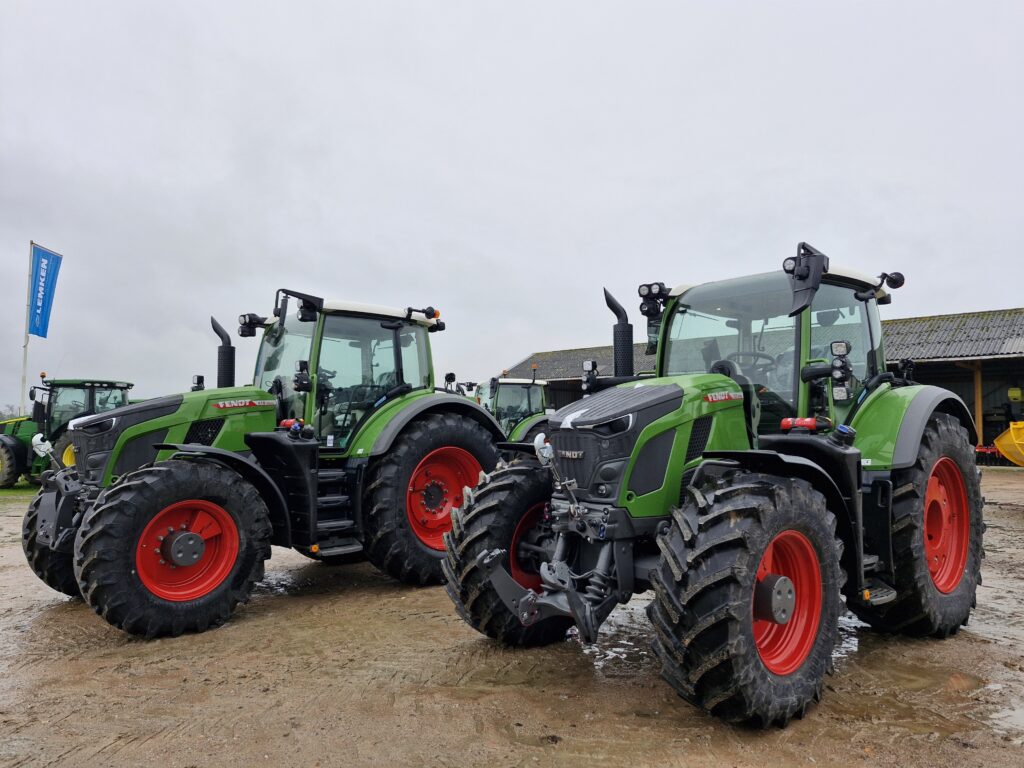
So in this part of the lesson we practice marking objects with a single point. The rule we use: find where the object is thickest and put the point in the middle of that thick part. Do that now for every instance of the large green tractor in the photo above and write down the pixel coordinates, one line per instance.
(771, 468)
(341, 449)
(55, 403)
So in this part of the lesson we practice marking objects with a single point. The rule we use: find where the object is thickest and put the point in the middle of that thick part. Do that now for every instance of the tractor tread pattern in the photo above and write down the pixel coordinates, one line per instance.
(488, 522)
(390, 543)
(104, 559)
(919, 609)
(56, 569)
(702, 587)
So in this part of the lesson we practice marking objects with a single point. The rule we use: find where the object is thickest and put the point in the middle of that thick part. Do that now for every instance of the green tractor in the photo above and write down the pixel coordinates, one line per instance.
(341, 449)
(519, 405)
(771, 468)
(55, 403)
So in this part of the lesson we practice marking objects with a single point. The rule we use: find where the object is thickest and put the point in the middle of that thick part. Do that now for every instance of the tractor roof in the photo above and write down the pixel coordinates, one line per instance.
(542, 382)
(335, 305)
(88, 383)
(834, 274)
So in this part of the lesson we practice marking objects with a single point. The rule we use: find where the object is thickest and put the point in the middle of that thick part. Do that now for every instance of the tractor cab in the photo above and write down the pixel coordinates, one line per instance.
(57, 402)
(332, 364)
(815, 364)
(513, 401)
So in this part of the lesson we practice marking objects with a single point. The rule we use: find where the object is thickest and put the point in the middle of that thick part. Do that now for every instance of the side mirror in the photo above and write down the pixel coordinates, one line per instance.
(449, 378)
(301, 381)
(32, 393)
(895, 280)
(494, 383)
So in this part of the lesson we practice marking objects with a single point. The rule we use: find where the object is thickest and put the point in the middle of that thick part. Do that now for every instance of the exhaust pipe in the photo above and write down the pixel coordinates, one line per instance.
(622, 337)
(225, 356)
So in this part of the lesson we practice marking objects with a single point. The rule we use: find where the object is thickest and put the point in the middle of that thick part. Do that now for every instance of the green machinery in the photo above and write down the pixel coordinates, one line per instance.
(55, 403)
(773, 467)
(519, 405)
(341, 448)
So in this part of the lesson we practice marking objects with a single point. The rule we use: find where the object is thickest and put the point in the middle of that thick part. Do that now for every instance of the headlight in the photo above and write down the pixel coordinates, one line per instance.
(644, 290)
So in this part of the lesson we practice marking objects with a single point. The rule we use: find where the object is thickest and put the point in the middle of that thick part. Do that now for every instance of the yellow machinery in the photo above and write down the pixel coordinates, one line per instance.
(1011, 443)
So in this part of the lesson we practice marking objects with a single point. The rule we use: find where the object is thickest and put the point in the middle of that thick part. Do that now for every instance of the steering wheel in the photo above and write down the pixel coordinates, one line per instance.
(763, 369)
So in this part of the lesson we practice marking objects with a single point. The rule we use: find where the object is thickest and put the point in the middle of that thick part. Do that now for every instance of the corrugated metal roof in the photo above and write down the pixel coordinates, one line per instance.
(965, 336)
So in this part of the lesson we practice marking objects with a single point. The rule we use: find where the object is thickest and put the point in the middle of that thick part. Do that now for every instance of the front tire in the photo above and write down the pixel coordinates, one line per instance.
(727, 543)
(138, 558)
(64, 450)
(937, 531)
(56, 569)
(412, 489)
(507, 509)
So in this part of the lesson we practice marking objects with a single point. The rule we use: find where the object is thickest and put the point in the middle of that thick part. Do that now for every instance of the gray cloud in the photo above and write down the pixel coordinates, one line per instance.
(502, 161)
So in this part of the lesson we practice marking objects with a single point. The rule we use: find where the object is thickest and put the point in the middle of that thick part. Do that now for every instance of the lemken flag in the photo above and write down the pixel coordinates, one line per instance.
(45, 268)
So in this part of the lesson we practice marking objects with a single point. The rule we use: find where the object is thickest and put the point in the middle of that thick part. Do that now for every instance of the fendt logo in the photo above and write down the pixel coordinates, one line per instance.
(243, 403)
(719, 397)
(570, 454)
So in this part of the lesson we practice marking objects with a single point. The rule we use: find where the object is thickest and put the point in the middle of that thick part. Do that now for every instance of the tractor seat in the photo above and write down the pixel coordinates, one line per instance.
(751, 403)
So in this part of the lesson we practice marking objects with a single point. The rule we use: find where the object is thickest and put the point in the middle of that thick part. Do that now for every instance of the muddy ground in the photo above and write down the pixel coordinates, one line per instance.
(341, 666)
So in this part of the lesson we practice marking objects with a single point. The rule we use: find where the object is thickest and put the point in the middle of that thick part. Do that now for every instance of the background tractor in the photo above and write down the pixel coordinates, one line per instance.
(55, 403)
(771, 467)
(519, 405)
(341, 449)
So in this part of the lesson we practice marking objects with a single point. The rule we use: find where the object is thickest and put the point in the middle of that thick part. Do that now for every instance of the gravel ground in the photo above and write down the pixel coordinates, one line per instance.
(342, 666)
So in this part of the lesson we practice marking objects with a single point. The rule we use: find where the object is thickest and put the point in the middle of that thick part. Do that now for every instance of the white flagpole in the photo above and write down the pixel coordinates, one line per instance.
(24, 353)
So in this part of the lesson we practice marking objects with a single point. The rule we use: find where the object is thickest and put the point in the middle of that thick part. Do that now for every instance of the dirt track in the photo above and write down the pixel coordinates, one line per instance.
(341, 666)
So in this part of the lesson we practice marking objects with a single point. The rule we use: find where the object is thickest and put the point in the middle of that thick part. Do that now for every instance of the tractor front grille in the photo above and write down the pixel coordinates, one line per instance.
(204, 432)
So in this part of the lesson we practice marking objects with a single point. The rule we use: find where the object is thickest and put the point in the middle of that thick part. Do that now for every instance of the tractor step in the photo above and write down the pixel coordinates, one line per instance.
(334, 501)
(342, 547)
(334, 526)
(331, 476)
(870, 563)
(879, 593)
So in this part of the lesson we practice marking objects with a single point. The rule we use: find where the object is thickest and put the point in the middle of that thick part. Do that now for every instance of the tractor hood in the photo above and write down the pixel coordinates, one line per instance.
(112, 443)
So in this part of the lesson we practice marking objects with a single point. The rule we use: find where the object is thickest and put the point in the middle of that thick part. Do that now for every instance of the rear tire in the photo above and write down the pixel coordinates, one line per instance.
(403, 539)
(8, 467)
(502, 511)
(56, 569)
(64, 450)
(936, 601)
(124, 572)
(713, 651)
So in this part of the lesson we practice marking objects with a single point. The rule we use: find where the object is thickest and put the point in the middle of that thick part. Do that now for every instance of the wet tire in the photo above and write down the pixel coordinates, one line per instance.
(720, 544)
(504, 509)
(123, 566)
(8, 467)
(56, 569)
(64, 450)
(940, 495)
(411, 490)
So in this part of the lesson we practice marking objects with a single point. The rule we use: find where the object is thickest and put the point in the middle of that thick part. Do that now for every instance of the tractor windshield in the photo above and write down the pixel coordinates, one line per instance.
(281, 349)
(747, 321)
(109, 398)
(359, 367)
(66, 403)
(514, 402)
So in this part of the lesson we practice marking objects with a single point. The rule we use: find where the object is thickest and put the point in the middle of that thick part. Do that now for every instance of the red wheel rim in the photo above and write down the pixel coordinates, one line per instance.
(187, 582)
(783, 648)
(946, 525)
(434, 488)
(527, 578)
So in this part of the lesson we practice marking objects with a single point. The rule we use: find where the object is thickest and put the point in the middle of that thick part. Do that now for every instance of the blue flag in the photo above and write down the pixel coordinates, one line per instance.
(45, 268)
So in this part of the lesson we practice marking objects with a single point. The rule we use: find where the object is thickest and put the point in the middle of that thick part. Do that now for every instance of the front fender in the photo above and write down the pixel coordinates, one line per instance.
(376, 437)
(524, 426)
(254, 473)
(891, 423)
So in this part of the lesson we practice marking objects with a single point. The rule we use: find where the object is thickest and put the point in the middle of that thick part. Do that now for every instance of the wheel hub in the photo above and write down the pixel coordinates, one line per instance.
(183, 548)
(434, 496)
(774, 599)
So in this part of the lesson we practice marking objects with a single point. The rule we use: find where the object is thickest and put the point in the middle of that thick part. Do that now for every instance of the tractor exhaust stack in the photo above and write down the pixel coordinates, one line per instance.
(622, 337)
(225, 356)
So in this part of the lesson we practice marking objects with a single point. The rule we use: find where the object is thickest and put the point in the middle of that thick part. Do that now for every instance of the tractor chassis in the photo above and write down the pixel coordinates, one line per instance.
(607, 538)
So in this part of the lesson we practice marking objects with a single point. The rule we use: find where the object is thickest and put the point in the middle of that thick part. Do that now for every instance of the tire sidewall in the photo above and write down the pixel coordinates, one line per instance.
(805, 680)
(194, 480)
(477, 442)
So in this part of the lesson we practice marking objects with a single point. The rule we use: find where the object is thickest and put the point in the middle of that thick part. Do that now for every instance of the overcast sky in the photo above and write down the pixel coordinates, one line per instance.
(501, 161)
